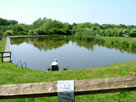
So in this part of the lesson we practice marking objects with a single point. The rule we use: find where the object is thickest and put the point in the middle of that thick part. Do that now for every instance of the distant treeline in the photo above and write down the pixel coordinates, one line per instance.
(45, 26)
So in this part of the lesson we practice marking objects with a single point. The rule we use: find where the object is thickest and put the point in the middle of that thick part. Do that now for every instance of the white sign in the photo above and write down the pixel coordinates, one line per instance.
(66, 91)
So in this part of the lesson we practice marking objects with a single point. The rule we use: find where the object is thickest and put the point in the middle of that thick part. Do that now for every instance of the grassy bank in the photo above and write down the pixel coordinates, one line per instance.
(129, 42)
(10, 74)
(2, 44)
(121, 39)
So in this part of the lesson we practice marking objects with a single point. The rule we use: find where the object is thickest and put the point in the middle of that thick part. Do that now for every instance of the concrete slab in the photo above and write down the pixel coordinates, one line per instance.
(7, 49)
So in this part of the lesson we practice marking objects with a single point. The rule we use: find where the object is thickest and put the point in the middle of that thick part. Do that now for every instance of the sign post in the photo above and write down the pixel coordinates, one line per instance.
(66, 91)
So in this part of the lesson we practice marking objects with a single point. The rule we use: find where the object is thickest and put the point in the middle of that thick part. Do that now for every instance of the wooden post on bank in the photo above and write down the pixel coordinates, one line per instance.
(2, 56)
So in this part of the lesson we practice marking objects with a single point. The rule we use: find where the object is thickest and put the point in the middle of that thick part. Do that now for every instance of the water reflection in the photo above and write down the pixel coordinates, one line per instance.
(41, 43)
(71, 53)
(54, 43)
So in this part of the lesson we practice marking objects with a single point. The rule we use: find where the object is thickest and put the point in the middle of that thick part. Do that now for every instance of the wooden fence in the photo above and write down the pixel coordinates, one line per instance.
(82, 87)
(5, 55)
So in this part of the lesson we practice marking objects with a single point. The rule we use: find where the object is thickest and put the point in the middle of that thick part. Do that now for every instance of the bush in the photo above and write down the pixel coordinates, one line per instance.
(132, 34)
(117, 42)
(90, 38)
(133, 45)
(21, 33)
(125, 43)
(112, 42)
(99, 40)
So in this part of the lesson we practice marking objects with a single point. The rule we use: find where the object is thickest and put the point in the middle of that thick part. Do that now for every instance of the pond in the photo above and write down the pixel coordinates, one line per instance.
(38, 53)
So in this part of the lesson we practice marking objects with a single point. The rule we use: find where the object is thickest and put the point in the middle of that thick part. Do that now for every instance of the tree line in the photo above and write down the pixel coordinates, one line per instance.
(45, 26)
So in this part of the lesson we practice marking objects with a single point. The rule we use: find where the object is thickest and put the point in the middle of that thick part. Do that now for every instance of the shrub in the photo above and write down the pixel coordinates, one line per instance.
(133, 45)
(112, 42)
(99, 40)
(125, 43)
(117, 42)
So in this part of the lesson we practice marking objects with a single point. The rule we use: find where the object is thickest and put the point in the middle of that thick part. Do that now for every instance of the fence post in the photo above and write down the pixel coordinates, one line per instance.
(10, 56)
(7, 55)
(2, 57)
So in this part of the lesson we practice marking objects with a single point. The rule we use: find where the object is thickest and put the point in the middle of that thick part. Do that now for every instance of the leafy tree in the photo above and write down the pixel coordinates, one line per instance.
(17, 28)
(40, 22)
(106, 26)
(44, 26)
(109, 32)
(4, 22)
(56, 27)
(84, 29)
(132, 33)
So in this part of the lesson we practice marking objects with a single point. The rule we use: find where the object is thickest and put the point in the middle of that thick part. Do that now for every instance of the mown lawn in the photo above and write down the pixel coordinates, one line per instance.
(11, 74)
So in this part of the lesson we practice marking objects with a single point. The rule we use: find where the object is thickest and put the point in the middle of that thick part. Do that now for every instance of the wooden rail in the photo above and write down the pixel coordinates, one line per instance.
(82, 87)
(5, 56)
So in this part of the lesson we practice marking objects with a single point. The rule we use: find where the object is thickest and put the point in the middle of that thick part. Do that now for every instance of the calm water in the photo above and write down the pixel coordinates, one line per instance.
(38, 53)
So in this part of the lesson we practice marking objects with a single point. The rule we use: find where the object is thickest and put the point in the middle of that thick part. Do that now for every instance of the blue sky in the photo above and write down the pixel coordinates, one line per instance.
(95, 11)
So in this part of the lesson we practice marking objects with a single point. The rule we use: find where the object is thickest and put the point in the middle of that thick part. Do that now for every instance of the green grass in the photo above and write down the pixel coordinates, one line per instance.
(118, 39)
(2, 44)
(131, 40)
(11, 74)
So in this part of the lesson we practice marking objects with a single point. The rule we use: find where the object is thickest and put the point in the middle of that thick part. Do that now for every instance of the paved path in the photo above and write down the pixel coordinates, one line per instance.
(7, 49)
